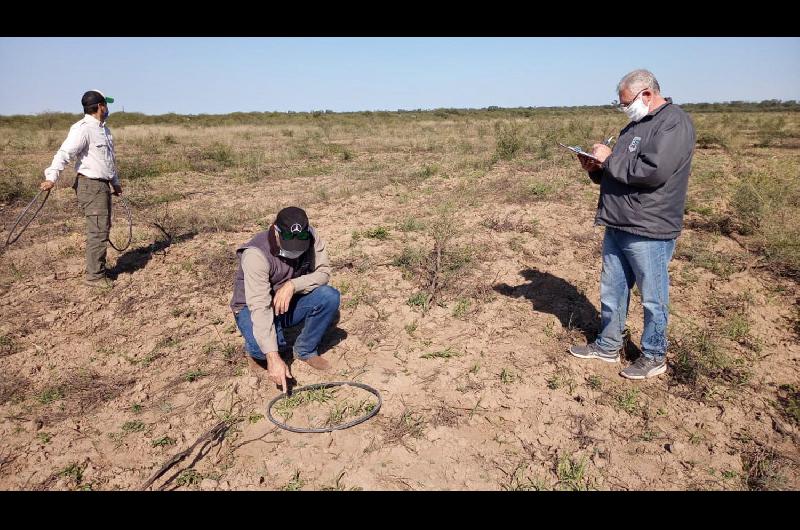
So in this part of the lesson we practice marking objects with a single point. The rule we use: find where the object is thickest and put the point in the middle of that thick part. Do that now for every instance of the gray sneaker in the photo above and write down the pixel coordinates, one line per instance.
(593, 351)
(103, 282)
(642, 368)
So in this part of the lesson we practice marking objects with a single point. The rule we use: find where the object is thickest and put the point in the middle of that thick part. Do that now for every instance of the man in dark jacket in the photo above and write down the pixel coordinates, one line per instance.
(643, 183)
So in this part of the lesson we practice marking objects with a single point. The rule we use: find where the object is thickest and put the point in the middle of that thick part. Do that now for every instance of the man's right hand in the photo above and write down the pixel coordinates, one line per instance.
(47, 185)
(278, 371)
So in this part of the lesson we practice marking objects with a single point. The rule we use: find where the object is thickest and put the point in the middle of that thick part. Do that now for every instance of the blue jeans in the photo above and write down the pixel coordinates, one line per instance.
(316, 308)
(629, 259)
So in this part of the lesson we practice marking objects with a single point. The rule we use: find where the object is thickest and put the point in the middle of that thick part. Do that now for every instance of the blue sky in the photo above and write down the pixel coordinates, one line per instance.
(221, 75)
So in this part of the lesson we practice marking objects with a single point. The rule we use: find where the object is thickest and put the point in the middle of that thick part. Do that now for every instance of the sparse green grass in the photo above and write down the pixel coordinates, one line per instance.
(508, 140)
(419, 299)
(700, 254)
(295, 484)
(44, 437)
(410, 224)
(194, 375)
(789, 402)
(346, 411)
(628, 400)
(379, 232)
(737, 327)
(442, 354)
(49, 395)
(571, 473)
(411, 327)
(189, 477)
(73, 471)
(7, 345)
(255, 417)
(507, 376)
(286, 406)
(561, 379)
(164, 441)
(133, 426)
(700, 363)
(594, 382)
(461, 308)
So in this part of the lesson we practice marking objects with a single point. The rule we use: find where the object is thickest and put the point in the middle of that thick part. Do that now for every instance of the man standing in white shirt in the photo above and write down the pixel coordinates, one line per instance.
(90, 142)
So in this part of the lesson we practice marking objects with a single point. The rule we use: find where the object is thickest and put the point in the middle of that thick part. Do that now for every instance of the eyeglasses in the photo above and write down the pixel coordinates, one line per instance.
(302, 235)
(622, 106)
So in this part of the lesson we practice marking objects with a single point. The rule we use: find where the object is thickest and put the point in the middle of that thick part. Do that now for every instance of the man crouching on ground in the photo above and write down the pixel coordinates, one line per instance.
(282, 281)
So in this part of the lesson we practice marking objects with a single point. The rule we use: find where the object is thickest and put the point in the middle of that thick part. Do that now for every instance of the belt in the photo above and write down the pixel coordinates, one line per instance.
(81, 175)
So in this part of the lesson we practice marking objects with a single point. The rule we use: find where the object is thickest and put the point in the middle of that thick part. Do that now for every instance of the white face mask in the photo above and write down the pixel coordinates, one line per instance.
(290, 254)
(636, 110)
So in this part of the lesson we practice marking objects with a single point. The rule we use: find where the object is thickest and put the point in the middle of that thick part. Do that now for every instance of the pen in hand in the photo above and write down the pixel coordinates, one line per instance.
(608, 142)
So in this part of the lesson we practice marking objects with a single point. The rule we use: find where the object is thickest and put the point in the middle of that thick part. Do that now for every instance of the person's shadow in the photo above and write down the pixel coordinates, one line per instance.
(554, 295)
(137, 258)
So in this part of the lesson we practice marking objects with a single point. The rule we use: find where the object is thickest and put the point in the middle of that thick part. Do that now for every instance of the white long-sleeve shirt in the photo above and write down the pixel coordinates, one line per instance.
(90, 142)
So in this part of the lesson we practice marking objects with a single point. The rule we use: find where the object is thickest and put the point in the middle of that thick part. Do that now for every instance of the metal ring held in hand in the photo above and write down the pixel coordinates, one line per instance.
(11, 240)
(326, 385)
(127, 208)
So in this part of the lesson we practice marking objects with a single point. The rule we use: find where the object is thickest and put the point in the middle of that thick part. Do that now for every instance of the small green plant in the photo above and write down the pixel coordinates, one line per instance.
(737, 328)
(133, 426)
(189, 477)
(295, 484)
(379, 232)
(508, 141)
(73, 471)
(418, 299)
(194, 375)
(461, 308)
(443, 354)
(595, 383)
(411, 328)
(561, 379)
(628, 400)
(220, 153)
(789, 402)
(7, 345)
(44, 437)
(571, 473)
(136, 408)
(410, 224)
(50, 395)
(255, 417)
(285, 407)
(506, 376)
(163, 441)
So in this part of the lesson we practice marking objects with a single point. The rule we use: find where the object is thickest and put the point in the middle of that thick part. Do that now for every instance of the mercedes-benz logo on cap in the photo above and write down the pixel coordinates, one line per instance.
(296, 228)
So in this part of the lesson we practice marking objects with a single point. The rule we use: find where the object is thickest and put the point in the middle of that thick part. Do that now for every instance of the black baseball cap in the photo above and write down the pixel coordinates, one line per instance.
(93, 97)
(293, 222)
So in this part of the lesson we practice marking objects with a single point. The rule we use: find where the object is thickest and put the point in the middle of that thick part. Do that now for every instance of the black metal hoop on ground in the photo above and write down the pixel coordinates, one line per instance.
(362, 419)
(11, 237)
(127, 210)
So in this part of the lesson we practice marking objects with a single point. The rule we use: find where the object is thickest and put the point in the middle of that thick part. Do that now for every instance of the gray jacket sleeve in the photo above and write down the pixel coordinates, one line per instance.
(321, 273)
(657, 160)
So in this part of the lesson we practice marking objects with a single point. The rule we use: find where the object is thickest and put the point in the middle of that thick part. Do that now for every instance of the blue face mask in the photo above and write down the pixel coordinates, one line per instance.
(105, 114)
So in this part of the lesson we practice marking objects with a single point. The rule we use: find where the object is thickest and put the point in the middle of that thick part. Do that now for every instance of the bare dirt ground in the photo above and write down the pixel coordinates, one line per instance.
(99, 389)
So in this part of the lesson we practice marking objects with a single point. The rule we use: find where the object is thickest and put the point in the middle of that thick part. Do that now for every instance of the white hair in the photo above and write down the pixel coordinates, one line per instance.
(639, 80)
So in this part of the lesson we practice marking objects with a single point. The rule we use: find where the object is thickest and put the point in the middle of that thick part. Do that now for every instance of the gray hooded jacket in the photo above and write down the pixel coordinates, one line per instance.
(643, 182)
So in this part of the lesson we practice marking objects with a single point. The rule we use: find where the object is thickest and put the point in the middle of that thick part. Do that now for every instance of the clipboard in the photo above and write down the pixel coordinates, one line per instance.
(578, 151)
